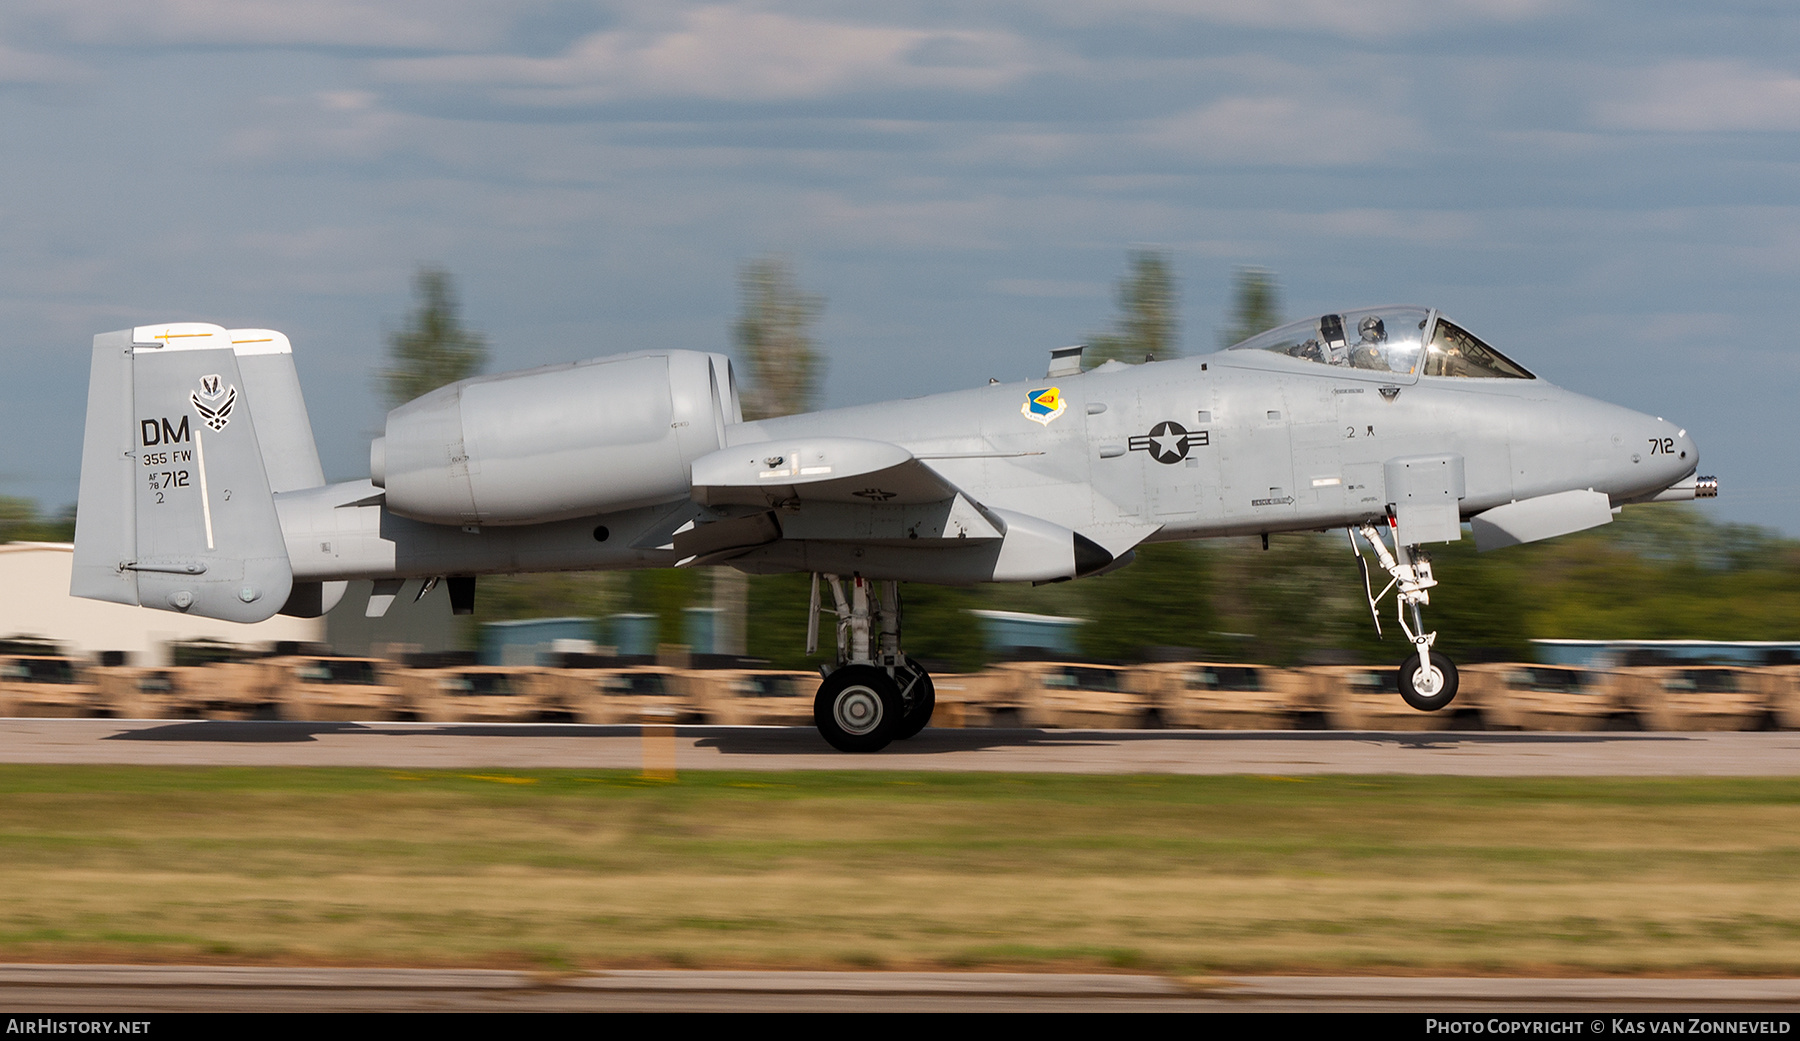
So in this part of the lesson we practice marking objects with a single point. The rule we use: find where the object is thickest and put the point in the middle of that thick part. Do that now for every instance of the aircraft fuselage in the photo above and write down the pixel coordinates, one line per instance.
(1232, 443)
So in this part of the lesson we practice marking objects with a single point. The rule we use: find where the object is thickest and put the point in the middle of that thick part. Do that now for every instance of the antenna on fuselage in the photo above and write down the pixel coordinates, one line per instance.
(1065, 361)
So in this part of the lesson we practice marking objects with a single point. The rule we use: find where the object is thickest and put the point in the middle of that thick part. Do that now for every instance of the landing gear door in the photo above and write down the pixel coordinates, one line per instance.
(1426, 493)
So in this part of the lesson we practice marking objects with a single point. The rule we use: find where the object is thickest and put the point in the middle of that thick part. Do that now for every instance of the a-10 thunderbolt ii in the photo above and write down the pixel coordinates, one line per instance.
(201, 489)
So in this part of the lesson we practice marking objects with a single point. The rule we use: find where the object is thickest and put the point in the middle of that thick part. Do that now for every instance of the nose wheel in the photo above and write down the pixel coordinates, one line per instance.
(1428, 689)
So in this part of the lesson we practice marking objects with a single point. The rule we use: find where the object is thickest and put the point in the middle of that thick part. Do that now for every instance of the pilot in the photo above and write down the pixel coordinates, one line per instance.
(1370, 351)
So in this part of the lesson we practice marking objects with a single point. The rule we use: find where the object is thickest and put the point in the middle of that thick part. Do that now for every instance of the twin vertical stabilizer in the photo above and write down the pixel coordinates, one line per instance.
(176, 511)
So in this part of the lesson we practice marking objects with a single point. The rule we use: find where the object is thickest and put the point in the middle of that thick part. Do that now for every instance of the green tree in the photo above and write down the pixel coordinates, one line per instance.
(782, 365)
(782, 368)
(434, 349)
(1255, 305)
(21, 522)
(1148, 325)
(665, 592)
(1156, 601)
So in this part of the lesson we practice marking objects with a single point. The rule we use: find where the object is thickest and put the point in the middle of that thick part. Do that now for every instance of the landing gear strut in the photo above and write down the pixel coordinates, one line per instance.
(1427, 679)
(874, 694)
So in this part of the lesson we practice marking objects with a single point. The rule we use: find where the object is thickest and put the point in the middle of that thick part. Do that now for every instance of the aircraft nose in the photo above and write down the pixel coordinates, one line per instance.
(1672, 453)
(1683, 454)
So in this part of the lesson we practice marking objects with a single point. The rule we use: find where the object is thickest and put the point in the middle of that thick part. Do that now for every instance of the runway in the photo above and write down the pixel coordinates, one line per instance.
(150, 989)
(532, 745)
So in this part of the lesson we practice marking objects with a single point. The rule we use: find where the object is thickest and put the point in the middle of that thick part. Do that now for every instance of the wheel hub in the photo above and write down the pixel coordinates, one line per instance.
(1428, 681)
(857, 710)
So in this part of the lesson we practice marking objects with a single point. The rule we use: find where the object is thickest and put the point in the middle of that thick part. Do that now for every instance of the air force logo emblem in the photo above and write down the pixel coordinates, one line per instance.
(1041, 406)
(214, 402)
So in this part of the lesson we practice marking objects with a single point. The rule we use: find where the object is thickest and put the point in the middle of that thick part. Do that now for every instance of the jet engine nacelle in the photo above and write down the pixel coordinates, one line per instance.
(557, 442)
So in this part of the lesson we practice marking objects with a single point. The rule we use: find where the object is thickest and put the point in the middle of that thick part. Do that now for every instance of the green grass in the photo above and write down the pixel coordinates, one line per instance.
(561, 870)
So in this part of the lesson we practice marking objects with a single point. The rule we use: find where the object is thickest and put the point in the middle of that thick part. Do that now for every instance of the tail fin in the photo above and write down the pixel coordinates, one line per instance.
(290, 456)
(176, 508)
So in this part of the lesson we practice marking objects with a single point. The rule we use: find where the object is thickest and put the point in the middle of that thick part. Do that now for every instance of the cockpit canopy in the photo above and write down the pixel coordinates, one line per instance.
(1403, 340)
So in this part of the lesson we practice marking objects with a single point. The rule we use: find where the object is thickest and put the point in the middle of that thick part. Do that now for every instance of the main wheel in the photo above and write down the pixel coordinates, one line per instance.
(1428, 690)
(858, 709)
(916, 715)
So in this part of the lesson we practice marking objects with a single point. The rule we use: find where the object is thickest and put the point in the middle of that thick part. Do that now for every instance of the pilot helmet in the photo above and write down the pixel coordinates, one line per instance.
(1371, 329)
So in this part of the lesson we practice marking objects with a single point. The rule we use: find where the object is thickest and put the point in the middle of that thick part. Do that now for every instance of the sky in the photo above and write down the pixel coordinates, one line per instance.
(1604, 190)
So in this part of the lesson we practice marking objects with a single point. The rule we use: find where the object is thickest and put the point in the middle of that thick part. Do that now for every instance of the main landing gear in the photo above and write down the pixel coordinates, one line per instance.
(1427, 679)
(874, 694)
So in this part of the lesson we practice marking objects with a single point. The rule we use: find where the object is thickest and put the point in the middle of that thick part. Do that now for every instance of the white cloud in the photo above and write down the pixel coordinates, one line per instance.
(1701, 96)
(732, 53)
(22, 68)
(326, 126)
(1395, 225)
(1288, 131)
(1358, 19)
(340, 23)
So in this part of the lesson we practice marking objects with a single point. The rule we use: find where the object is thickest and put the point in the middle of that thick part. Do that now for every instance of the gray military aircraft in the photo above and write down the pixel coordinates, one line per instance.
(201, 489)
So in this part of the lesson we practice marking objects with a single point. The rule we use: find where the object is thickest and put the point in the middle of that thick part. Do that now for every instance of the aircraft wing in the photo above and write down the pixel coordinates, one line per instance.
(836, 489)
(875, 494)
(804, 471)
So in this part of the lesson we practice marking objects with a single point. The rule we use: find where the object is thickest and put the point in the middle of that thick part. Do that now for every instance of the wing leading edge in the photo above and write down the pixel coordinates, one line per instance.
(853, 490)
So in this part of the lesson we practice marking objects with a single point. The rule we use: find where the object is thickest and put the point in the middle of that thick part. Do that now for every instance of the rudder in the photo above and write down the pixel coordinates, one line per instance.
(176, 511)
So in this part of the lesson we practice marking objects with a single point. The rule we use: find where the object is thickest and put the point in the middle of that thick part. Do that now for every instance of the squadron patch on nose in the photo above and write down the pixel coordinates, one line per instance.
(1043, 405)
(1169, 441)
(214, 402)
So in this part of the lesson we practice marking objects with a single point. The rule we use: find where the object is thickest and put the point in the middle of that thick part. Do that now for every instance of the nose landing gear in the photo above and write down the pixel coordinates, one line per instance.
(876, 694)
(1428, 679)
(1428, 688)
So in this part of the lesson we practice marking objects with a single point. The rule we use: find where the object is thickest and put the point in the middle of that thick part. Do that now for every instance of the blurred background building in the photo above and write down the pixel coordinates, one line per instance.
(35, 580)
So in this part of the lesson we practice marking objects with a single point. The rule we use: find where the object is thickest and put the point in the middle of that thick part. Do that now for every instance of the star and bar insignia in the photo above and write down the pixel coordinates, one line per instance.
(1169, 441)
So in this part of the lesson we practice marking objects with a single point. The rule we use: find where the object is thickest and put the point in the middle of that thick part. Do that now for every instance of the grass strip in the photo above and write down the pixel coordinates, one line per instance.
(565, 869)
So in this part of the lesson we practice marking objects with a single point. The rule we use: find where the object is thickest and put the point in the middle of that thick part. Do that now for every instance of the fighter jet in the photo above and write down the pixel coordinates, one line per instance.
(202, 493)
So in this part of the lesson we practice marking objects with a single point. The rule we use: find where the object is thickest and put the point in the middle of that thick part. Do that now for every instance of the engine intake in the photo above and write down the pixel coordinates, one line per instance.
(562, 441)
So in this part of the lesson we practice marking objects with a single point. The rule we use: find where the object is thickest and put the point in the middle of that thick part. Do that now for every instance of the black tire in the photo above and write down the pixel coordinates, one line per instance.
(919, 707)
(858, 709)
(1411, 680)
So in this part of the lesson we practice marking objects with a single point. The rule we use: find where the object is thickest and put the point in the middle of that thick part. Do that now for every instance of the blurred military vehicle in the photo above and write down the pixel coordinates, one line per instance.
(754, 697)
(1783, 685)
(322, 687)
(624, 694)
(1520, 696)
(1057, 694)
(1198, 695)
(480, 694)
(154, 692)
(48, 685)
(1696, 697)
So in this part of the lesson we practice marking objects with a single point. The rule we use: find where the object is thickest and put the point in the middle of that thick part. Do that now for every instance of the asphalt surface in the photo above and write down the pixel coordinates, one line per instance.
(538, 745)
(26, 989)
